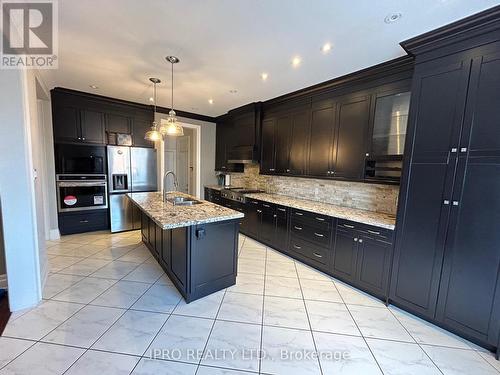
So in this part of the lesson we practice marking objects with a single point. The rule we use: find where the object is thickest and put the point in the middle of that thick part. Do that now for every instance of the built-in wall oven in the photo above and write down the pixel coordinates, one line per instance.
(81, 192)
(80, 159)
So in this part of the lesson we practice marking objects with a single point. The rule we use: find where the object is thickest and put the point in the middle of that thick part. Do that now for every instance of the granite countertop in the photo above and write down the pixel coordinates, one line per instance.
(168, 216)
(361, 216)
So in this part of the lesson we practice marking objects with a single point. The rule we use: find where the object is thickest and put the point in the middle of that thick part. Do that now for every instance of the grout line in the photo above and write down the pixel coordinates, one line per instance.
(263, 312)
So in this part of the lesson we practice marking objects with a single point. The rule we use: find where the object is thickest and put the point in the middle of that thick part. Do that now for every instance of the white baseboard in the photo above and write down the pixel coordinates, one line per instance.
(54, 234)
(3, 281)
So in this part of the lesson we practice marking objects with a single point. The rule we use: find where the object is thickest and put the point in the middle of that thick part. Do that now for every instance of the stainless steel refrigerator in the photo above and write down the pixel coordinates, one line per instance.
(130, 170)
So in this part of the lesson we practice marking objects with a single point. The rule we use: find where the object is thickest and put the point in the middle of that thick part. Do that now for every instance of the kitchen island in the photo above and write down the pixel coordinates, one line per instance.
(194, 241)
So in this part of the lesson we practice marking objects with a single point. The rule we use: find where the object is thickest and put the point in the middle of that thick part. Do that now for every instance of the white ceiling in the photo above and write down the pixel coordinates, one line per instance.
(225, 45)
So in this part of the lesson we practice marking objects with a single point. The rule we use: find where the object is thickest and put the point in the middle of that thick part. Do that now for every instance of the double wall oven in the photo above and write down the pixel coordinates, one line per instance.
(81, 178)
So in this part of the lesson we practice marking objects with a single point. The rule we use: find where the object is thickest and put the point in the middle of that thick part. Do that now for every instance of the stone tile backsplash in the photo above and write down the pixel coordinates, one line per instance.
(371, 197)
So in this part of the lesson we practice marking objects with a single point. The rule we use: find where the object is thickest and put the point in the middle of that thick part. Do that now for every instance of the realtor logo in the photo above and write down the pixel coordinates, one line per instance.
(29, 37)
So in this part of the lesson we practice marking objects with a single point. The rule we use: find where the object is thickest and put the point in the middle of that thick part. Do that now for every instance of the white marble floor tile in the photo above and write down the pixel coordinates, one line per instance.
(145, 273)
(206, 307)
(427, 333)
(43, 359)
(156, 367)
(115, 270)
(11, 348)
(251, 243)
(158, 298)
(306, 272)
(282, 287)
(84, 291)
(248, 283)
(41, 320)
(490, 358)
(331, 317)
(256, 266)
(123, 294)
(205, 370)
(285, 312)
(453, 361)
(353, 296)
(378, 323)
(400, 358)
(241, 307)
(60, 262)
(94, 362)
(252, 253)
(132, 333)
(281, 269)
(84, 267)
(164, 280)
(319, 290)
(233, 345)
(136, 255)
(112, 253)
(349, 355)
(85, 327)
(182, 338)
(283, 348)
(56, 283)
(274, 256)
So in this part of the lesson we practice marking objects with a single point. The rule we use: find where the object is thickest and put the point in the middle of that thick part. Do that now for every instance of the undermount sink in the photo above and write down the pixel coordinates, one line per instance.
(182, 201)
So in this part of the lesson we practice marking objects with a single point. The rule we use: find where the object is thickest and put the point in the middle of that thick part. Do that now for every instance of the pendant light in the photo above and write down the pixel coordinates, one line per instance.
(171, 126)
(153, 134)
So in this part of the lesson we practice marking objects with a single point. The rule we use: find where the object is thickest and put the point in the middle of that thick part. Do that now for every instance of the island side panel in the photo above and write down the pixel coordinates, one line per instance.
(214, 252)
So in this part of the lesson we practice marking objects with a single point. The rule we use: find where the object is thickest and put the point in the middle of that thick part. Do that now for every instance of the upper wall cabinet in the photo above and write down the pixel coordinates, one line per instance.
(84, 118)
(334, 131)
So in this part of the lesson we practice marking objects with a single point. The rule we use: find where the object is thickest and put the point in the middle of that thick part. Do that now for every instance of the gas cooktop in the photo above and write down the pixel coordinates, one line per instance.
(238, 193)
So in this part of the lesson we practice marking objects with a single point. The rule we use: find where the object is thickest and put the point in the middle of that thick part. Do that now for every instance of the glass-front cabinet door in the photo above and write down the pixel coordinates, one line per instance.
(389, 125)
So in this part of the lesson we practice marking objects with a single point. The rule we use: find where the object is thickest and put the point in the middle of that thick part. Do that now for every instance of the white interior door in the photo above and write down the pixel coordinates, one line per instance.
(183, 163)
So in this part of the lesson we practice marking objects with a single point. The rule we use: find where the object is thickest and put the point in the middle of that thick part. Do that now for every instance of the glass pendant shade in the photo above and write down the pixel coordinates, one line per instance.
(153, 134)
(170, 126)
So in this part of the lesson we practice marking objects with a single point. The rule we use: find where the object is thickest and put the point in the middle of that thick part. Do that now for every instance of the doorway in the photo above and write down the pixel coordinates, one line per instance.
(181, 155)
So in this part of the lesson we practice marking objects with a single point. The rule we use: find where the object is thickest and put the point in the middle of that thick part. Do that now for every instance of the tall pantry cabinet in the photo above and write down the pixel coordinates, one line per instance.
(447, 252)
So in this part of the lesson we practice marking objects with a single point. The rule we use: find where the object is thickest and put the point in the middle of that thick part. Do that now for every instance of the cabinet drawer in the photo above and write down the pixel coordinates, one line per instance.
(312, 219)
(315, 253)
(318, 235)
(80, 222)
(377, 233)
(269, 207)
(282, 211)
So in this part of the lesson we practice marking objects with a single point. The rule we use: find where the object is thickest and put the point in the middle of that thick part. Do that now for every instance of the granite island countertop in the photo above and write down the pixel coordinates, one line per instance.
(377, 219)
(169, 216)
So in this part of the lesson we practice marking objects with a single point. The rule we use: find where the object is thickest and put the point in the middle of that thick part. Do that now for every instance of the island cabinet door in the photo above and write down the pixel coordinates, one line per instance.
(166, 248)
(214, 248)
(179, 257)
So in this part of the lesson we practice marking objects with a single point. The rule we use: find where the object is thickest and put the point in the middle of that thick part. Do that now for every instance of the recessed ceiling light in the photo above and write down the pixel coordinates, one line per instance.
(326, 48)
(151, 99)
(392, 17)
(93, 87)
(210, 101)
(264, 76)
(296, 61)
(233, 91)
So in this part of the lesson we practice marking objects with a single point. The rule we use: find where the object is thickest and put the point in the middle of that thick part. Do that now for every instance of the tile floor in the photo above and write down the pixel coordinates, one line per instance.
(108, 308)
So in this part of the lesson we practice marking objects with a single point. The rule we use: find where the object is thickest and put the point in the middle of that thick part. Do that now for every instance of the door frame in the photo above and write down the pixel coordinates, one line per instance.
(161, 150)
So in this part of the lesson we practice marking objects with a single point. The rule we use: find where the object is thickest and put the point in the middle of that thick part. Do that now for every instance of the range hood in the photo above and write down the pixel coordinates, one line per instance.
(243, 155)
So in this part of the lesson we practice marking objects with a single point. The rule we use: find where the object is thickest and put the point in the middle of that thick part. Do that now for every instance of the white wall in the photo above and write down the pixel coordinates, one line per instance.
(17, 188)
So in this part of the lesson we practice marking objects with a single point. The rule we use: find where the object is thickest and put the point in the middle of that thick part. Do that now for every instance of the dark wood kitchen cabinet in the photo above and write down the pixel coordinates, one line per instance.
(447, 258)
(140, 125)
(322, 138)
(73, 124)
(224, 141)
(268, 159)
(345, 255)
(116, 123)
(92, 126)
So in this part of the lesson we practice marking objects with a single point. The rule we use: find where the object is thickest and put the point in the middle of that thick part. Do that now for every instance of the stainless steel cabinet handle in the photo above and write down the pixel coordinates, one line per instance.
(463, 149)
(254, 202)
(349, 226)
(83, 138)
(446, 202)
(454, 149)
(299, 214)
(455, 203)
(356, 239)
(373, 232)
(318, 255)
(84, 221)
(266, 205)
(298, 228)
(319, 234)
(272, 169)
(320, 219)
(297, 246)
(367, 154)
(288, 170)
(275, 215)
(259, 211)
(360, 240)
(281, 209)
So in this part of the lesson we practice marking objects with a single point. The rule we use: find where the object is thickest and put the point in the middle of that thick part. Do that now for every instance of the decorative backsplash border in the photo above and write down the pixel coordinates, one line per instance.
(371, 197)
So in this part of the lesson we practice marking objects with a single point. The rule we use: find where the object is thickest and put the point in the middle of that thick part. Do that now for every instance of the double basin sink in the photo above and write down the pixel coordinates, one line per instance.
(179, 200)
